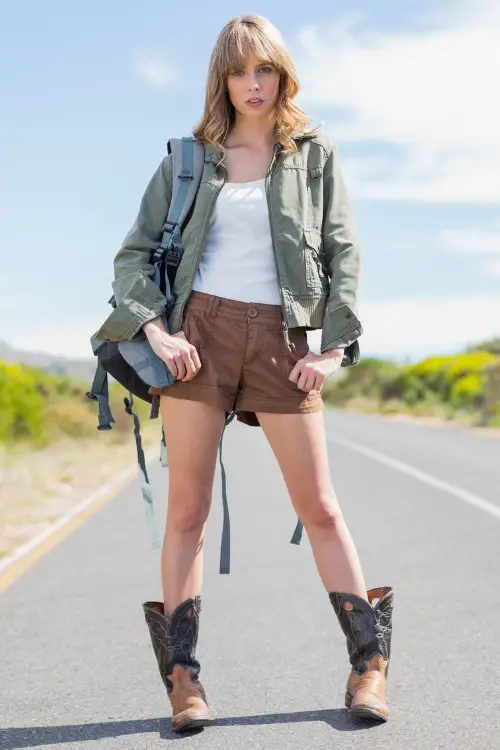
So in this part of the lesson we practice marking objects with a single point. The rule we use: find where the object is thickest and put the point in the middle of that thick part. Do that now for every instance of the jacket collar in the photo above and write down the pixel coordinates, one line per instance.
(212, 154)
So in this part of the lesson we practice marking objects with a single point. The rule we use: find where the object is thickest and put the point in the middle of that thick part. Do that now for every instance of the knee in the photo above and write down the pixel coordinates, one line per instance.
(188, 510)
(322, 514)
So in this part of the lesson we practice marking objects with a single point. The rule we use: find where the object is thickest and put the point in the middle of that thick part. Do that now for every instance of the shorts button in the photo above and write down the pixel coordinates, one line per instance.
(252, 312)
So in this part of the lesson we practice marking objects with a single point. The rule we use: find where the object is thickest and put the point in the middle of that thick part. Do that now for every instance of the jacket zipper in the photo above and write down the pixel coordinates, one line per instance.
(268, 186)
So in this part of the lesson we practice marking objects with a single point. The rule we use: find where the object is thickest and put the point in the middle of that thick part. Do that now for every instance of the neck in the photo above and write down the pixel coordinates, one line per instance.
(251, 131)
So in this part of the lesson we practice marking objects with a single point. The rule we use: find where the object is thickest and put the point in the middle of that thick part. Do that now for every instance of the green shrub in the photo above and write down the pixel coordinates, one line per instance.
(367, 379)
(37, 407)
(21, 405)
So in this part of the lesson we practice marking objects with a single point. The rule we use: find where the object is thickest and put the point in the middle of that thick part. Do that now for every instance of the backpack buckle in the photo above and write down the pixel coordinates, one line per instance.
(169, 226)
(174, 255)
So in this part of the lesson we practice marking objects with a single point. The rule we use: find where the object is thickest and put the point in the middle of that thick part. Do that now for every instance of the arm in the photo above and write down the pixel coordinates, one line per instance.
(341, 327)
(138, 299)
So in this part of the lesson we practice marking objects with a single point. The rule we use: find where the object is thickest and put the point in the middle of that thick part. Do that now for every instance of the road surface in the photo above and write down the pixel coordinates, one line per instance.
(423, 504)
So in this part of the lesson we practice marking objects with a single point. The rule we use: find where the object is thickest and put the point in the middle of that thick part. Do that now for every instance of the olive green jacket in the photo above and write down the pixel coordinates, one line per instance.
(318, 259)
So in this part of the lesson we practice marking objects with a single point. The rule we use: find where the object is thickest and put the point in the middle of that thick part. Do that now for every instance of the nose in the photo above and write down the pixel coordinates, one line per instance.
(254, 85)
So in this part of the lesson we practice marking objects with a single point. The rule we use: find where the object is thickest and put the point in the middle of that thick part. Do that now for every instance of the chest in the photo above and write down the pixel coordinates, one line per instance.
(294, 198)
(247, 165)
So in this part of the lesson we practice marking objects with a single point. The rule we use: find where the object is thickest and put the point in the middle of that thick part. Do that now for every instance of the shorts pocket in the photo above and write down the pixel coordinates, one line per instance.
(198, 329)
(294, 351)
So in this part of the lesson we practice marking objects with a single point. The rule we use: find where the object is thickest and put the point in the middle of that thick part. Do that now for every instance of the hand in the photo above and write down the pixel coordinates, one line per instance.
(311, 371)
(179, 355)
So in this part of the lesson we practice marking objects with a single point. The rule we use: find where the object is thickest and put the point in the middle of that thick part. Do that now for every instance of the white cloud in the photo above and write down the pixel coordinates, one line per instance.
(432, 93)
(471, 241)
(155, 71)
(492, 268)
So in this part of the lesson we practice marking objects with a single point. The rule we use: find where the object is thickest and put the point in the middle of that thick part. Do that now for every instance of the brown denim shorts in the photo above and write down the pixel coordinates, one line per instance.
(245, 361)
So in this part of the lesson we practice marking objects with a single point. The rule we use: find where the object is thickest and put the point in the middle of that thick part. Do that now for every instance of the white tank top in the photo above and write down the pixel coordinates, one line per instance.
(238, 260)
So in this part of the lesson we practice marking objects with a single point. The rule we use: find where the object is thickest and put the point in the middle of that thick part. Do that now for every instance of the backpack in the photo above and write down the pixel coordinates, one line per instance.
(133, 364)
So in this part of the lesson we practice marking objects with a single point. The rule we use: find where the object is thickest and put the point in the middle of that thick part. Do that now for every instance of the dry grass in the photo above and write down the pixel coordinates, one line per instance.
(37, 487)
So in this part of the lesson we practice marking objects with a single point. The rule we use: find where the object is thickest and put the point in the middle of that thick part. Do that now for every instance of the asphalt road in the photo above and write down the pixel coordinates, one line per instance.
(423, 503)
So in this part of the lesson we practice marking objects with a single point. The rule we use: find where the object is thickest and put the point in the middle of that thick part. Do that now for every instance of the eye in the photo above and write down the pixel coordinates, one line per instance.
(266, 69)
(238, 73)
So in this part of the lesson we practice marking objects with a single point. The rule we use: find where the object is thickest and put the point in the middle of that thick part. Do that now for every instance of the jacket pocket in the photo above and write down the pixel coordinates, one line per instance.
(316, 274)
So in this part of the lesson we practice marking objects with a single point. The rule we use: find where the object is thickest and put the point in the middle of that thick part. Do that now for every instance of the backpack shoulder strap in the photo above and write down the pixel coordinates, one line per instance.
(188, 157)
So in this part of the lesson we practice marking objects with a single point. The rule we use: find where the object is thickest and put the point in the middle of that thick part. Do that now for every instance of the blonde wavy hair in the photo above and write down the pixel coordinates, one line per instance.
(240, 37)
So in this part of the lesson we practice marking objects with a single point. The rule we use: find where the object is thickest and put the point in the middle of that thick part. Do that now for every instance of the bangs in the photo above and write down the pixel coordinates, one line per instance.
(242, 37)
(243, 40)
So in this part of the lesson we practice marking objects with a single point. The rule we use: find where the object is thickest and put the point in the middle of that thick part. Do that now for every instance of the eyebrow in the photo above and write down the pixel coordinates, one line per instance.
(259, 64)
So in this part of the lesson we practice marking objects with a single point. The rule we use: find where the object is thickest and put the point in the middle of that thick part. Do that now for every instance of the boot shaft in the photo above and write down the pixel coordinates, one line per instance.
(175, 638)
(367, 627)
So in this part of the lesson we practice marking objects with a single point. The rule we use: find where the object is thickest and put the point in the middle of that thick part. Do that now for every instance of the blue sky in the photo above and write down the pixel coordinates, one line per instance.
(90, 94)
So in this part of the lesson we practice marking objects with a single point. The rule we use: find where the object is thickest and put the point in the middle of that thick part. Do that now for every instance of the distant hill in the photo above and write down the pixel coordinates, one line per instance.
(74, 368)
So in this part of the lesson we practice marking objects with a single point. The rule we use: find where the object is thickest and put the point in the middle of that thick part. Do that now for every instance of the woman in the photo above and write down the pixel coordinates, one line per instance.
(269, 253)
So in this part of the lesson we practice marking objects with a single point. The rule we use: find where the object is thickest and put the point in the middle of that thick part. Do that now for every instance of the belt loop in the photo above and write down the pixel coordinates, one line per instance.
(214, 306)
(210, 306)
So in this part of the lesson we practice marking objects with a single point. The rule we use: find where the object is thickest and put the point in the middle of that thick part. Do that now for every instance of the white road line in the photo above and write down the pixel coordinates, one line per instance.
(451, 489)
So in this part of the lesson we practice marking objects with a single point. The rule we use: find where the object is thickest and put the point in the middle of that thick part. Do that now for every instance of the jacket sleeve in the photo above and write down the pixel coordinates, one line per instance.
(341, 326)
(138, 299)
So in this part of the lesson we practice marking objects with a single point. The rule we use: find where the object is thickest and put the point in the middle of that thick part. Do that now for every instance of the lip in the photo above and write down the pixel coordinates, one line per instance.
(254, 101)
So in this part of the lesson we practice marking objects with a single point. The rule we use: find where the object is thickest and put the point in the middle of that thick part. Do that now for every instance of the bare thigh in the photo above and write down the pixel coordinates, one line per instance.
(299, 444)
(192, 433)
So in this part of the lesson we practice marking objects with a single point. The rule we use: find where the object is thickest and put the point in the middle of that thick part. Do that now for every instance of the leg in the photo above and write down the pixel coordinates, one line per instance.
(298, 441)
(192, 431)
(299, 444)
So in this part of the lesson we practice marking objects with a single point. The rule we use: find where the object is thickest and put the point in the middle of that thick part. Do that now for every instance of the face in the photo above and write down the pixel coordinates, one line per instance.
(254, 89)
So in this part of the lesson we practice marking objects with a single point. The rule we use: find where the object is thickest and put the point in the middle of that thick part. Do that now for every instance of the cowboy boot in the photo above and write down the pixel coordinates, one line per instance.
(368, 630)
(174, 642)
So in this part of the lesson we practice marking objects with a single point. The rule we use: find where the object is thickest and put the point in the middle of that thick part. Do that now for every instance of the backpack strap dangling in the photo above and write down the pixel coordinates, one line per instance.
(297, 534)
(146, 490)
(99, 392)
(225, 547)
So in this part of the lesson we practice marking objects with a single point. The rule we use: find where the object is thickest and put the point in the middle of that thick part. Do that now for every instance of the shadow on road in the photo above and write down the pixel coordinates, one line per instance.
(18, 737)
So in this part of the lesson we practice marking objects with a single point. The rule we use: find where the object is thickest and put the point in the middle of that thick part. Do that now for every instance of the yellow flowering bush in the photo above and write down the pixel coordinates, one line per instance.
(468, 382)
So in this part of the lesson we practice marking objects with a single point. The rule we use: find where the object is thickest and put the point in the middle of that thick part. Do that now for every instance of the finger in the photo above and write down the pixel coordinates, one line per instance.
(296, 373)
(181, 368)
(310, 383)
(302, 381)
(172, 367)
(170, 363)
(318, 383)
(196, 358)
(189, 365)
